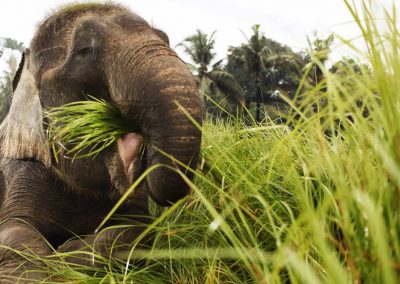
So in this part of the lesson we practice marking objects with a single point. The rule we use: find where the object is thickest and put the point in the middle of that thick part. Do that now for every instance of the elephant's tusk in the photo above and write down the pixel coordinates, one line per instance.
(129, 148)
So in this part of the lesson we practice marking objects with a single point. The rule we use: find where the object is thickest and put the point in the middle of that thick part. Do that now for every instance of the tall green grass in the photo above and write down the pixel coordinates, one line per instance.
(314, 201)
(83, 129)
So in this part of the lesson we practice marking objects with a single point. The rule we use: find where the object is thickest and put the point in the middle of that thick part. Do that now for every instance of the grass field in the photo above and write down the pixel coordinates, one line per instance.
(313, 201)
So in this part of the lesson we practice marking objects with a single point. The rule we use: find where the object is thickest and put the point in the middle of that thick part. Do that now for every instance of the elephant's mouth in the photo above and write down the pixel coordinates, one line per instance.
(129, 146)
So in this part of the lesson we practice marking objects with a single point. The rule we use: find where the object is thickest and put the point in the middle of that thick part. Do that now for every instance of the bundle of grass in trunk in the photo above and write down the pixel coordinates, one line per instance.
(85, 128)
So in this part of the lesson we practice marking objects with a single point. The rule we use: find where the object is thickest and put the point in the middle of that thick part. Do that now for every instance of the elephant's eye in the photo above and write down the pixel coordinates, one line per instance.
(81, 51)
(85, 50)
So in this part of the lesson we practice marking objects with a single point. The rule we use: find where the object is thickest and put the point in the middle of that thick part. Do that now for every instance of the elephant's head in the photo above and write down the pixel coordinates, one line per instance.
(108, 52)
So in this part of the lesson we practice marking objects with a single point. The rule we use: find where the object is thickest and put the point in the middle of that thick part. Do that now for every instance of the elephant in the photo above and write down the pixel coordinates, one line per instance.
(108, 52)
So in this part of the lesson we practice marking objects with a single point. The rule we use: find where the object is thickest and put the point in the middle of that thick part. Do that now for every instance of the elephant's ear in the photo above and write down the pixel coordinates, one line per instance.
(17, 76)
(21, 132)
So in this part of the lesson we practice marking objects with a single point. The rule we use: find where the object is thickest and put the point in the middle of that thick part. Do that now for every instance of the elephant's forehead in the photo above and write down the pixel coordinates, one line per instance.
(52, 38)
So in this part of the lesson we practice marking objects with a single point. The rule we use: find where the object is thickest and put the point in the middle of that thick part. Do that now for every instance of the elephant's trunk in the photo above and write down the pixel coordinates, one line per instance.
(161, 87)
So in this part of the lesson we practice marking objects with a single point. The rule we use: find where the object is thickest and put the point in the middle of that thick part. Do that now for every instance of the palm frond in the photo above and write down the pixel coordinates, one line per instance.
(228, 85)
(200, 48)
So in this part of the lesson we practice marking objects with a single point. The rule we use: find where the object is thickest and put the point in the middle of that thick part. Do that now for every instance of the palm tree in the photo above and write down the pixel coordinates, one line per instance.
(256, 52)
(318, 54)
(11, 44)
(200, 49)
(6, 78)
(319, 51)
(211, 79)
(264, 64)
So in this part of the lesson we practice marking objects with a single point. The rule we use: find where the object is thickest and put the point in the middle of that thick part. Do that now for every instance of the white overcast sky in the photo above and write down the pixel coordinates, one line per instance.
(287, 21)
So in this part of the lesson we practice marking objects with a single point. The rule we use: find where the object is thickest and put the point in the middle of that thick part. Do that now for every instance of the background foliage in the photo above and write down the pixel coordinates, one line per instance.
(7, 76)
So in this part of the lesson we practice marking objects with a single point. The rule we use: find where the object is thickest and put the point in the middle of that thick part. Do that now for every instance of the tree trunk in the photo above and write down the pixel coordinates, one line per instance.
(258, 97)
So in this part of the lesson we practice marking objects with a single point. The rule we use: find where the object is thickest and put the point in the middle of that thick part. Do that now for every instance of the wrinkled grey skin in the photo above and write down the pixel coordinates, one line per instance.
(110, 53)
